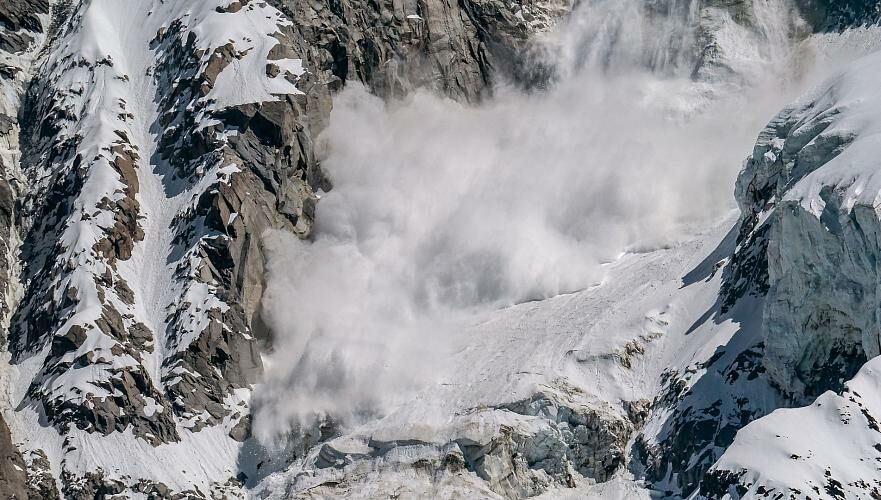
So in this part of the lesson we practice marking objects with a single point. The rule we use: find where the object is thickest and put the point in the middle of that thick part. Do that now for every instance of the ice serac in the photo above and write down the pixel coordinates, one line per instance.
(811, 189)
(515, 450)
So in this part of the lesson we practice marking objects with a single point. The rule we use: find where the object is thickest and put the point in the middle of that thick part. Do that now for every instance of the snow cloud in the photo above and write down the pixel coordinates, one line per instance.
(441, 209)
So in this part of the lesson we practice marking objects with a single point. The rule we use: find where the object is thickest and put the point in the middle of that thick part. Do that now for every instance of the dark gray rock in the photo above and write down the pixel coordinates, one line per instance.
(13, 478)
(454, 48)
(18, 21)
(41, 483)
(836, 15)
(242, 430)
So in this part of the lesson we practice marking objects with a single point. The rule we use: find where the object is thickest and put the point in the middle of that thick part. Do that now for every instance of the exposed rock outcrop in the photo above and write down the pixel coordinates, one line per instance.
(41, 482)
(518, 450)
(149, 172)
(835, 15)
(13, 475)
(454, 48)
(22, 33)
(801, 282)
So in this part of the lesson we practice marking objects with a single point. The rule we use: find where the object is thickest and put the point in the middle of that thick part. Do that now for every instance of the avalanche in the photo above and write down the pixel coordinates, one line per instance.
(507, 264)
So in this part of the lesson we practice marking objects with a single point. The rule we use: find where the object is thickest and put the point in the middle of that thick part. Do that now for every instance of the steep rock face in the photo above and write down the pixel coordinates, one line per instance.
(701, 408)
(453, 48)
(723, 27)
(158, 144)
(21, 36)
(13, 478)
(21, 25)
(835, 15)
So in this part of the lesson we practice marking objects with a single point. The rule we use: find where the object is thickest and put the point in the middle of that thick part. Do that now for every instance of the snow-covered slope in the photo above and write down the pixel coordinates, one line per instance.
(829, 449)
(540, 395)
(149, 145)
(111, 200)
(814, 181)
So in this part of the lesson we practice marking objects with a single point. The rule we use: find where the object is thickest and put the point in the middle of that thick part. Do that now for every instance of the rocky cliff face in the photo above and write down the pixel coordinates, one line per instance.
(23, 30)
(827, 15)
(455, 49)
(810, 190)
(146, 149)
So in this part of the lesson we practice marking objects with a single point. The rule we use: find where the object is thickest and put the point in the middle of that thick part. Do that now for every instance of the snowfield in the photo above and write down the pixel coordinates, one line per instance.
(597, 349)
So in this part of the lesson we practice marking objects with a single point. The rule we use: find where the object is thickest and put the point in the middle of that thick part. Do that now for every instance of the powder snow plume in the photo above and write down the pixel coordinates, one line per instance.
(440, 209)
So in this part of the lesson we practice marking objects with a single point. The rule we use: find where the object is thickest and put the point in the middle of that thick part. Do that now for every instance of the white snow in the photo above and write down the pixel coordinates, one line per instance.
(836, 437)
(852, 105)
(832, 446)
(102, 76)
(251, 30)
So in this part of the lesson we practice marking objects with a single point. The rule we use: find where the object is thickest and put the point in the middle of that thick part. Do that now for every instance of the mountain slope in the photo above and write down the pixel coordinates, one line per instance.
(156, 156)
(649, 382)
(812, 182)
(158, 142)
